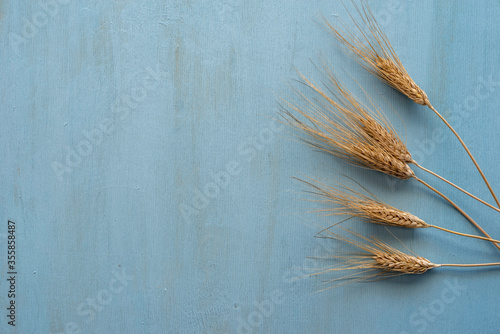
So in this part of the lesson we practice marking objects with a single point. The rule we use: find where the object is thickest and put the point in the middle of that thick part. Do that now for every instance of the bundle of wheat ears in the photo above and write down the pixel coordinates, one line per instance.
(333, 120)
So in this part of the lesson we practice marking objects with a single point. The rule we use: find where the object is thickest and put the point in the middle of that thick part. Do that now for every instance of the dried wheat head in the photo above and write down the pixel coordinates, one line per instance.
(370, 47)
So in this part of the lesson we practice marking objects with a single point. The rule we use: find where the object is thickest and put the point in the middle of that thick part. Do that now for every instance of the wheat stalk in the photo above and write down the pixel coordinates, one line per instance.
(378, 128)
(368, 45)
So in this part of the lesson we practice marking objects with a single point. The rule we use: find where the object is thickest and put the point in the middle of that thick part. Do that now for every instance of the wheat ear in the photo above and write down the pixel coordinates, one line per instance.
(378, 260)
(379, 128)
(469, 218)
(455, 186)
(468, 153)
(338, 124)
(347, 201)
(369, 46)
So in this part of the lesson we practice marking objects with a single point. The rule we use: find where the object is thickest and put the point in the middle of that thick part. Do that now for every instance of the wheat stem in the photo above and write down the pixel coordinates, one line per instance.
(454, 185)
(468, 152)
(464, 234)
(458, 208)
(469, 265)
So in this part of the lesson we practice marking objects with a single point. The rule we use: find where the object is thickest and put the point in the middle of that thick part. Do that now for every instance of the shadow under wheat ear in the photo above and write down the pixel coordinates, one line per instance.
(369, 46)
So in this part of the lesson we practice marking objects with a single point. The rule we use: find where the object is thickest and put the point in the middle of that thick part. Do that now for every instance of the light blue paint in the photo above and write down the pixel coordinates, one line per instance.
(110, 227)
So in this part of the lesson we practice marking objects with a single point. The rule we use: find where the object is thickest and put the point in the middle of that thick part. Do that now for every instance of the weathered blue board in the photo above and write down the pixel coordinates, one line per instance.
(151, 190)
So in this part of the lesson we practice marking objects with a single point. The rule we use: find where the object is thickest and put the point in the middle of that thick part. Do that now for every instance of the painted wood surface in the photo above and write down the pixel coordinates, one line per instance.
(151, 188)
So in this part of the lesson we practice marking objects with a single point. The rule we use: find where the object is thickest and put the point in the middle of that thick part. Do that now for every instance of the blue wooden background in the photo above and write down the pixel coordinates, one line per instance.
(152, 190)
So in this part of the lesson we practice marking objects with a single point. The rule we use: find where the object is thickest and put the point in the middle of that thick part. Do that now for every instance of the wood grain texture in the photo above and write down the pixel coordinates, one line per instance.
(152, 188)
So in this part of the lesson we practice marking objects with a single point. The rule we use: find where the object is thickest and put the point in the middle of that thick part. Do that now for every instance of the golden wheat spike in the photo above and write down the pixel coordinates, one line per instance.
(403, 263)
(370, 47)
(377, 260)
(347, 201)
